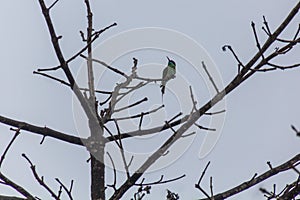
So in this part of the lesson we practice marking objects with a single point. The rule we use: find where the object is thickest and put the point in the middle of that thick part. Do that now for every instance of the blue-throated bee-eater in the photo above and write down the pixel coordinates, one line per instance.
(168, 73)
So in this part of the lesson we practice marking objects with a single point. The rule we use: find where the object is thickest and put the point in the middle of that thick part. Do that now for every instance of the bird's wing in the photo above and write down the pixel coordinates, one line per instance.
(165, 74)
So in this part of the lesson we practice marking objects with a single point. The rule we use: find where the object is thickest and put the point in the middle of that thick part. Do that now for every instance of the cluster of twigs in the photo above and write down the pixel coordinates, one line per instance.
(245, 71)
(40, 179)
(291, 190)
(100, 114)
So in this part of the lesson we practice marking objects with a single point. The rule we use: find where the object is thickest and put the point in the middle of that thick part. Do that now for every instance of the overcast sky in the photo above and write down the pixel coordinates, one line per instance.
(258, 116)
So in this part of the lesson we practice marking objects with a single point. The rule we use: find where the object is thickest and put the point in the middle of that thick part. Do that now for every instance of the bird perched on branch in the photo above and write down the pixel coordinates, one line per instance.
(168, 73)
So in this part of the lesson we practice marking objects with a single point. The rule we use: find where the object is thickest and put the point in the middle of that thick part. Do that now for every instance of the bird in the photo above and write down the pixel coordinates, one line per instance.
(168, 73)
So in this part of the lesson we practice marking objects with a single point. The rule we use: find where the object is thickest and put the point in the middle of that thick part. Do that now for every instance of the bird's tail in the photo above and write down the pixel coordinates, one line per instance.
(163, 87)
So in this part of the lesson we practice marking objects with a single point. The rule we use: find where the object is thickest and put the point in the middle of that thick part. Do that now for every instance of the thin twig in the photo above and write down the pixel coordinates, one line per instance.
(122, 150)
(199, 182)
(211, 187)
(137, 115)
(296, 130)
(96, 35)
(284, 67)
(106, 65)
(105, 101)
(39, 179)
(215, 113)
(233, 53)
(205, 128)
(297, 32)
(44, 131)
(16, 187)
(203, 173)
(115, 172)
(210, 77)
(269, 164)
(268, 31)
(189, 134)
(290, 164)
(65, 83)
(167, 123)
(68, 191)
(256, 40)
(88, 109)
(132, 105)
(141, 121)
(131, 89)
(194, 102)
(17, 133)
(175, 117)
(160, 181)
(53, 4)
(110, 133)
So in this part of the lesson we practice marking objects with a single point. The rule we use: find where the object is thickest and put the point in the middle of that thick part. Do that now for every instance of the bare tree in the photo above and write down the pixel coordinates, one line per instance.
(100, 114)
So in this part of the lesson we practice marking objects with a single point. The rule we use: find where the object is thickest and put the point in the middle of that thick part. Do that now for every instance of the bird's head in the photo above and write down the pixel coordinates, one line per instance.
(171, 63)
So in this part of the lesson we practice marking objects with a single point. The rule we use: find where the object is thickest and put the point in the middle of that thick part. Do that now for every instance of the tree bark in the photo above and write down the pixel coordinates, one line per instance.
(97, 178)
(96, 148)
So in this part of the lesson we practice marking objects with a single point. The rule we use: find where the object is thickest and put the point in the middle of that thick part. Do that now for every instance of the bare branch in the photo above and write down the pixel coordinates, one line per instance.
(68, 191)
(284, 67)
(200, 179)
(297, 32)
(88, 109)
(160, 181)
(215, 113)
(122, 150)
(296, 130)
(290, 164)
(167, 123)
(82, 36)
(132, 105)
(256, 39)
(16, 187)
(105, 101)
(141, 121)
(90, 70)
(175, 117)
(234, 54)
(268, 58)
(291, 191)
(53, 4)
(17, 132)
(44, 131)
(269, 164)
(194, 102)
(138, 115)
(189, 134)
(205, 128)
(67, 84)
(106, 65)
(210, 77)
(211, 187)
(39, 179)
(131, 89)
(113, 185)
(96, 35)
(267, 30)
(152, 130)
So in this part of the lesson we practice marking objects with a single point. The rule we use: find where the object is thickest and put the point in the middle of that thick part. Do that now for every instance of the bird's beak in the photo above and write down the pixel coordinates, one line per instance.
(168, 58)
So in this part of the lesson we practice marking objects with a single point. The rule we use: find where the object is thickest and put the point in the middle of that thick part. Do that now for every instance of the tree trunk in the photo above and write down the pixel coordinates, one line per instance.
(97, 150)
(97, 178)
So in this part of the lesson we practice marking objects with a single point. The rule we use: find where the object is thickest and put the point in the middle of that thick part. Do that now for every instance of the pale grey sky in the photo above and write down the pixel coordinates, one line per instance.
(258, 114)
